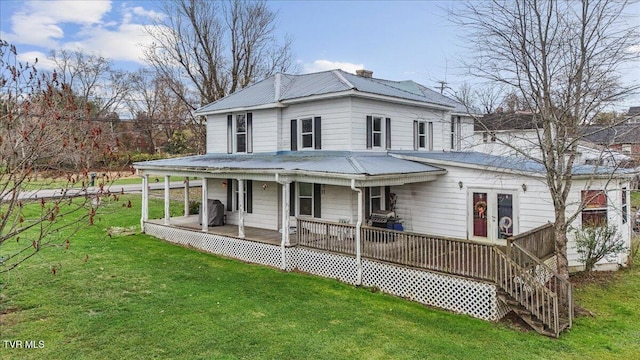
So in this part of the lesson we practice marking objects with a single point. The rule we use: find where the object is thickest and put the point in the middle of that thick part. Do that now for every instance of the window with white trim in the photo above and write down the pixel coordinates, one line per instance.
(422, 135)
(594, 212)
(626, 149)
(305, 199)
(241, 133)
(625, 206)
(306, 133)
(456, 133)
(376, 132)
(375, 198)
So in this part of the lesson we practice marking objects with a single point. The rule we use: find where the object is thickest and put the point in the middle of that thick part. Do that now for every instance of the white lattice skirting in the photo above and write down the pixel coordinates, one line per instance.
(457, 294)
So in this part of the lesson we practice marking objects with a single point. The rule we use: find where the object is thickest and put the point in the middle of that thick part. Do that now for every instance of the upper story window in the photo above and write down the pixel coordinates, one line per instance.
(422, 135)
(307, 132)
(378, 132)
(626, 149)
(239, 133)
(486, 136)
(456, 133)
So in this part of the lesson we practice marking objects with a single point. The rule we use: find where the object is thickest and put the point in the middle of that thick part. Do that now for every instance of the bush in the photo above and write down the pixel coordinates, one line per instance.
(595, 242)
(194, 207)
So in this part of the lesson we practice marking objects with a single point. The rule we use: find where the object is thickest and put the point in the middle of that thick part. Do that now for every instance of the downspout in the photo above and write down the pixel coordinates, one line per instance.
(358, 232)
(285, 222)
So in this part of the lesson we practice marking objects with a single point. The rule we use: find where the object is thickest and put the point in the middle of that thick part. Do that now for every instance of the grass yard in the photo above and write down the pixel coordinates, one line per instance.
(137, 297)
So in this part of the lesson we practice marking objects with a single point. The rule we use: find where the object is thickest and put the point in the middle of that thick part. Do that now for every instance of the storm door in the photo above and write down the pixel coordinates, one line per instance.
(493, 215)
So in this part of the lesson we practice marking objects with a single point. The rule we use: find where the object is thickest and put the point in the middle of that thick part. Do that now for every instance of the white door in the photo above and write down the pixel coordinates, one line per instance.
(493, 215)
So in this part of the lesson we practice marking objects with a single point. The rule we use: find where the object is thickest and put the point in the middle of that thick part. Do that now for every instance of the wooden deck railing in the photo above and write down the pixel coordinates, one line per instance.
(518, 271)
(539, 241)
(452, 256)
(325, 235)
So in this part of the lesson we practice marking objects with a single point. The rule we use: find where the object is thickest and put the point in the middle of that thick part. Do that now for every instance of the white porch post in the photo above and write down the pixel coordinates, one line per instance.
(285, 214)
(358, 233)
(241, 208)
(145, 201)
(166, 199)
(186, 196)
(204, 213)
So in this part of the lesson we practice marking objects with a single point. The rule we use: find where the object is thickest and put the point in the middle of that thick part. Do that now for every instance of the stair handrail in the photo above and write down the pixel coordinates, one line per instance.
(549, 315)
(561, 285)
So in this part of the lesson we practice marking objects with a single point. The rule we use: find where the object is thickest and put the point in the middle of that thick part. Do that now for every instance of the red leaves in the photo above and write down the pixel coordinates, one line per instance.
(53, 270)
(92, 214)
(67, 243)
(42, 202)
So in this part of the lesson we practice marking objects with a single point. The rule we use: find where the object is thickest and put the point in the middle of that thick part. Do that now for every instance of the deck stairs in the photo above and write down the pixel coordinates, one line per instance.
(535, 293)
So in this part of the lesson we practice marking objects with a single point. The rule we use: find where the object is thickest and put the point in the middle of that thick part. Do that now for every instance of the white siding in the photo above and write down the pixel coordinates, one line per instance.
(337, 203)
(336, 125)
(265, 213)
(402, 117)
(441, 207)
(264, 131)
(216, 134)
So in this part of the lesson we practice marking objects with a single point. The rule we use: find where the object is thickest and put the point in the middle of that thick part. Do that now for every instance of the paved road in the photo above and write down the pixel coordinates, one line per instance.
(129, 188)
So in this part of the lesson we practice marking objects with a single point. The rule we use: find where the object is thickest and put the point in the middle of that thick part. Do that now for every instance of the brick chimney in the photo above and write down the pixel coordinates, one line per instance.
(364, 73)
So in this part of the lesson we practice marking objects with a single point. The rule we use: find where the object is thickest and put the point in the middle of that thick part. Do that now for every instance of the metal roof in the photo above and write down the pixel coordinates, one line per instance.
(330, 162)
(513, 163)
(283, 87)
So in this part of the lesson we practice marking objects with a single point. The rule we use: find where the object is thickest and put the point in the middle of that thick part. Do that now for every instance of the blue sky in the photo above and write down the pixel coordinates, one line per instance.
(396, 40)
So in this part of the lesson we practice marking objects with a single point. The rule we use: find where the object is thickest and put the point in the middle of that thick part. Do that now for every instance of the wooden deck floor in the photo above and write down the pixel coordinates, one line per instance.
(273, 237)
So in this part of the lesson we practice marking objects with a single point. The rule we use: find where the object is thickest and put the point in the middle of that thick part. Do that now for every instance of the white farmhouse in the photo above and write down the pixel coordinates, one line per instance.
(364, 179)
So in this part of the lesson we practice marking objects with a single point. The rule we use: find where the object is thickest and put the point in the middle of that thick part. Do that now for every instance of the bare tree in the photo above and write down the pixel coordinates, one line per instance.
(216, 48)
(156, 109)
(93, 80)
(563, 60)
(43, 127)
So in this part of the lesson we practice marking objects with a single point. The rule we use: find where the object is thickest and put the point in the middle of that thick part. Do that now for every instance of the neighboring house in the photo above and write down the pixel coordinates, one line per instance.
(623, 138)
(633, 115)
(363, 180)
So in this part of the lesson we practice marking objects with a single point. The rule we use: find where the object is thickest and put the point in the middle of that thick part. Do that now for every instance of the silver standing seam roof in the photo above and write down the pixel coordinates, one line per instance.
(363, 163)
(326, 82)
(330, 162)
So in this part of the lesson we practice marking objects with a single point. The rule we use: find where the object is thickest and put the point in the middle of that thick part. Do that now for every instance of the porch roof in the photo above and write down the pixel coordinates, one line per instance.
(503, 163)
(318, 163)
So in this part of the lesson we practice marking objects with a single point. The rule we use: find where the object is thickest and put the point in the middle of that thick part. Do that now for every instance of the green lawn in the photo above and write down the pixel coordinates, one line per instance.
(137, 297)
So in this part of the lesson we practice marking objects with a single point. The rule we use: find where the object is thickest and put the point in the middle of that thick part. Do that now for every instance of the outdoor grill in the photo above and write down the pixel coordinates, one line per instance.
(383, 219)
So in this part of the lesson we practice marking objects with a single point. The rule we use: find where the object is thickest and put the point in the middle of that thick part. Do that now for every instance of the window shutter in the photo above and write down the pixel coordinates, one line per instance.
(367, 200)
(294, 135)
(388, 132)
(317, 128)
(292, 199)
(430, 132)
(249, 132)
(229, 194)
(387, 191)
(317, 192)
(229, 134)
(369, 131)
(249, 205)
(415, 134)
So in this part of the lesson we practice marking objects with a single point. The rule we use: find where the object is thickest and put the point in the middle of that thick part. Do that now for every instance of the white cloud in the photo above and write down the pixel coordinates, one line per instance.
(39, 22)
(30, 57)
(323, 65)
(634, 49)
(89, 26)
(127, 42)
